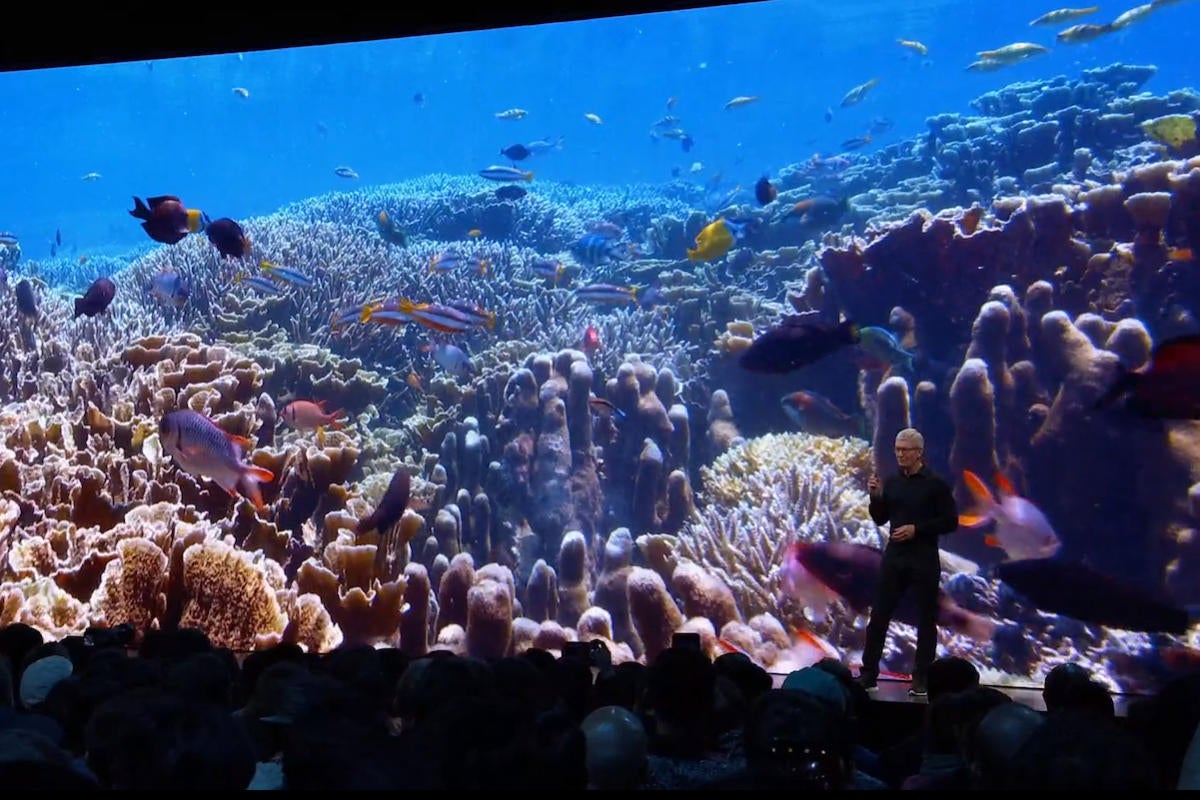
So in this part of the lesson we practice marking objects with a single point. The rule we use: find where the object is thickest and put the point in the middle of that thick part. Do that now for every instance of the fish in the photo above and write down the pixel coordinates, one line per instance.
(343, 318)
(828, 114)
(915, 46)
(443, 263)
(474, 233)
(1060, 15)
(419, 100)
(57, 236)
(516, 152)
(540, 147)
(820, 210)
(1165, 387)
(96, 299)
(985, 65)
(594, 249)
(228, 237)
(259, 283)
(852, 572)
(305, 415)
(550, 270)
(593, 118)
(166, 220)
(91, 176)
(8, 239)
(605, 407)
(200, 447)
(607, 293)
(794, 343)
(26, 299)
(1022, 530)
(346, 172)
(1076, 590)
(741, 100)
(797, 583)
(1012, 53)
(716, 239)
(1135, 14)
(764, 192)
(241, 91)
(856, 142)
(511, 192)
(512, 113)
(883, 345)
(803, 407)
(1084, 32)
(285, 275)
(453, 359)
(590, 343)
(505, 174)
(390, 230)
(435, 316)
(391, 505)
(1174, 130)
(170, 288)
(480, 317)
(856, 95)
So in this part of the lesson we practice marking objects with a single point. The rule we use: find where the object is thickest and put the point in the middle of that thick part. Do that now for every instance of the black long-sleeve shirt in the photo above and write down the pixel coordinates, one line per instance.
(923, 500)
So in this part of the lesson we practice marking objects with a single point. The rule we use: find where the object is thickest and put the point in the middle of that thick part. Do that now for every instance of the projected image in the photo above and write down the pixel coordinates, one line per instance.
(802, 327)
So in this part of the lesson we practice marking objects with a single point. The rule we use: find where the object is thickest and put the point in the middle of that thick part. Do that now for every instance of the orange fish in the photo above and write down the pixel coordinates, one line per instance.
(414, 382)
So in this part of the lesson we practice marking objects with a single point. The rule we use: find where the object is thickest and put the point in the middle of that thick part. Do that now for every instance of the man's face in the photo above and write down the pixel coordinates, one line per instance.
(908, 455)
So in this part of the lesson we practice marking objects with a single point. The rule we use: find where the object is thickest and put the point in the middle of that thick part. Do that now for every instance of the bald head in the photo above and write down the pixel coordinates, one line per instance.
(616, 748)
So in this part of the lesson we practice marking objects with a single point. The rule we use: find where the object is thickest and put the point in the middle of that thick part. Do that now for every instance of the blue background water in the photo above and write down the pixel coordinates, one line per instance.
(178, 128)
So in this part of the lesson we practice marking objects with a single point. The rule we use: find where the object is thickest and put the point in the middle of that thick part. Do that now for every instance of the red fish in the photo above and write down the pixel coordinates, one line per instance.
(1166, 387)
(853, 572)
(307, 415)
(591, 341)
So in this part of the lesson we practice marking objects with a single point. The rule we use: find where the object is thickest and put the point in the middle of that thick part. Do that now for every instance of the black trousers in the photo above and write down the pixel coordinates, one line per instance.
(917, 574)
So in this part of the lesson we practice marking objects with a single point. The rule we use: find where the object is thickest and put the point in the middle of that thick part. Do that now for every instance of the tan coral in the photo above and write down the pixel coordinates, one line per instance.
(230, 594)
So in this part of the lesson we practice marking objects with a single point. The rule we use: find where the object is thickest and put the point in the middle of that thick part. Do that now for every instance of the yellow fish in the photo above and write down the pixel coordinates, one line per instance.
(1175, 130)
(716, 239)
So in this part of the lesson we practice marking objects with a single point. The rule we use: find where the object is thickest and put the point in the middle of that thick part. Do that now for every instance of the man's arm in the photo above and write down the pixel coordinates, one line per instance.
(878, 507)
(945, 515)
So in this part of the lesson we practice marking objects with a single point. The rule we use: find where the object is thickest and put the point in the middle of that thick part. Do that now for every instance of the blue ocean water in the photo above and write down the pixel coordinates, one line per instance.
(177, 127)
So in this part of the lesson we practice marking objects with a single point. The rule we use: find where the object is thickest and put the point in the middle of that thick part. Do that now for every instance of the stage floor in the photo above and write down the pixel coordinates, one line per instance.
(893, 691)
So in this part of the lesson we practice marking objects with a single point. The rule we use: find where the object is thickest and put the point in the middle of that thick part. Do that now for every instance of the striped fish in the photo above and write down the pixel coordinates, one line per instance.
(607, 293)
(258, 283)
(480, 317)
(435, 316)
(505, 174)
(285, 275)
